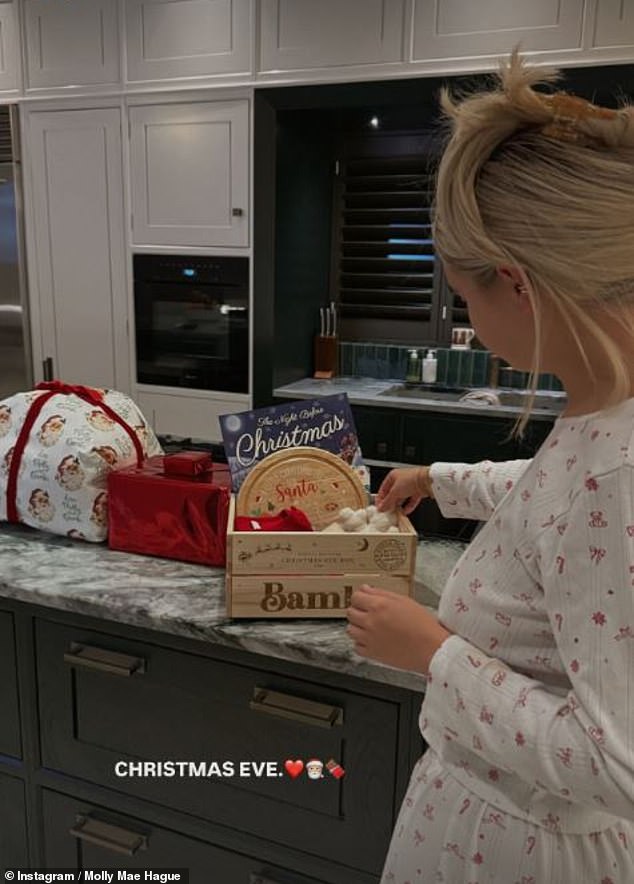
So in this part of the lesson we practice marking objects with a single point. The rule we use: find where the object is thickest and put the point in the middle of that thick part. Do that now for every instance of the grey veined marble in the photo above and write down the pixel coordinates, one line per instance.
(188, 600)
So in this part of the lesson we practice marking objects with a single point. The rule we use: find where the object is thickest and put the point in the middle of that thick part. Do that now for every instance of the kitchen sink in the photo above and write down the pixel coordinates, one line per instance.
(518, 398)
(553, 402)
(408, 391)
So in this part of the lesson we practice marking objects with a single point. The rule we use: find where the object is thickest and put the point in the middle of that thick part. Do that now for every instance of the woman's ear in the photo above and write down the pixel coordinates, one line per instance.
(518, 281)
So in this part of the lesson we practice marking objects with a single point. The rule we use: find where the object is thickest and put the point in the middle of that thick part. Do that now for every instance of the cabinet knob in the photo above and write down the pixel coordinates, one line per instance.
(381, 447)
(410, 451)
(237, 213)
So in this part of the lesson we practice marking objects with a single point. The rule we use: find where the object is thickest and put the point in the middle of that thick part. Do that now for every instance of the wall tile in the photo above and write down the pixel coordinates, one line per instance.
(459, 368)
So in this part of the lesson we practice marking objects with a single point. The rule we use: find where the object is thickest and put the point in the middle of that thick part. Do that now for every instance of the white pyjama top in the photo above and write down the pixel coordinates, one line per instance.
(529, 706)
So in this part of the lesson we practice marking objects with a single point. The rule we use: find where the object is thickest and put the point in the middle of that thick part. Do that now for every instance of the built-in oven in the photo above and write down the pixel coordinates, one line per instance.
(192, 322)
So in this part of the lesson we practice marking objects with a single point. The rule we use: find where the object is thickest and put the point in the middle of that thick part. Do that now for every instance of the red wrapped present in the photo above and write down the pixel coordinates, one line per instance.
(178, 515)
(193, 464)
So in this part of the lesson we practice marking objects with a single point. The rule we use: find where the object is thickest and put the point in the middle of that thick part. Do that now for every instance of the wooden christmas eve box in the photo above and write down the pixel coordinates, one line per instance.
(312, 574)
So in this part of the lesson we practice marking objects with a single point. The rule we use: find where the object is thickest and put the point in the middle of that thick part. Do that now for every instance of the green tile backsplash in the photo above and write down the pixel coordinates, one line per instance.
(459, 368)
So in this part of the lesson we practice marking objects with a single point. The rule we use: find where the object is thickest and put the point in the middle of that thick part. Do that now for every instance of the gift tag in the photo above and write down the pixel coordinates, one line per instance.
(317, 482)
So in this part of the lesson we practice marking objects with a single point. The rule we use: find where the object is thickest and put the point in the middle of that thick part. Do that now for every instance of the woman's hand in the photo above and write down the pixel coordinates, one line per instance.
(405, 486)
(393, 629)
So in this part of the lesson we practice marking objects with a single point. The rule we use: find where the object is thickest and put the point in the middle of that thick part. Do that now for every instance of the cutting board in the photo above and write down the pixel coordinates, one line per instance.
(317, 482)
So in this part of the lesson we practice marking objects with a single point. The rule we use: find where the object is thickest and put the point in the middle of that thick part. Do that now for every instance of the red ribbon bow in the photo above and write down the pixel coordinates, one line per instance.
(88, 394)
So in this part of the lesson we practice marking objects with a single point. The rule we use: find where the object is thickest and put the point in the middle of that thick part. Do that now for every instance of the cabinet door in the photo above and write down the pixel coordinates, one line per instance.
(614, 24)
(190, 173)
(453, 28)
(180, 415)
(71, 42)
(77, 256)
(450, 437)
(106, 702)
(9, 46)
(10, 743)
(187, 38)
(82, 835)
(13, 841)
(379, 432)
(299, 34)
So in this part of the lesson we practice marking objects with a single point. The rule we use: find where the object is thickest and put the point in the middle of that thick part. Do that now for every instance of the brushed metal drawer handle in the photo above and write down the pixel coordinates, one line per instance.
(295, 708)
(89, 657)
(114, 838)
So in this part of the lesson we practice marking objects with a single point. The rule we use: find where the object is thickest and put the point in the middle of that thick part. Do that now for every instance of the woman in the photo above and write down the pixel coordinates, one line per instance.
(529, 704)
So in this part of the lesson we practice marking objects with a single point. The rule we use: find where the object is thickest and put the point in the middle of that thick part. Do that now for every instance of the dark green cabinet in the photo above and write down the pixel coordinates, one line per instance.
(432, 436)
(379, 431)
(422, 437)
(13, 840)
(10, 742)
(106, 701)
(393, 436)
(104, 705)
(85, 835)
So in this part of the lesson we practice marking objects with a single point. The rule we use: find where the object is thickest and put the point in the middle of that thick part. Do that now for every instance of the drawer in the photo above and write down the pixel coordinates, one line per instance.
(83, 835)
(10, 743)
(451, 437)
(184, 707)
(379, 431)
(13, 849)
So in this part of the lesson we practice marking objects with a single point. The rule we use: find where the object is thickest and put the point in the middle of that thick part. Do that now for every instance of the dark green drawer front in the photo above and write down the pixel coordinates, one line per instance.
(379, 432)
(10, 743)
(69, 823)
(450, 437)
(190, 708)
(13, 841)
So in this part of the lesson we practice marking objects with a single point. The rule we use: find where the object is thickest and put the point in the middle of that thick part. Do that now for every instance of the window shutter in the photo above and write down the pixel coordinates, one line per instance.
(384, 265)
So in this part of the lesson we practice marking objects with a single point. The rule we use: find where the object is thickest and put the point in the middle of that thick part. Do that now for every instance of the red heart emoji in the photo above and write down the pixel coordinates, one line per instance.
(294, 768)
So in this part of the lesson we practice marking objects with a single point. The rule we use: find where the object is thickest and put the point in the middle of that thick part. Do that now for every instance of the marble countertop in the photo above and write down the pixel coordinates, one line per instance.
(188, 600)
(370, 391)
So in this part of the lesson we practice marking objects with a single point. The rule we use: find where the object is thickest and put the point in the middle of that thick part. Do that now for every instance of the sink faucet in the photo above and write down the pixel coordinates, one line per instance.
(494, 370)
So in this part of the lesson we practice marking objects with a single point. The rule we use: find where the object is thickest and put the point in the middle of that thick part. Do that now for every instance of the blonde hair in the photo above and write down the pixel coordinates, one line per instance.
(543, 183)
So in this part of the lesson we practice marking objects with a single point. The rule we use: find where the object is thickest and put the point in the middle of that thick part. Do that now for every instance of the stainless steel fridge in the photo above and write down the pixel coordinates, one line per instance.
(15, 341)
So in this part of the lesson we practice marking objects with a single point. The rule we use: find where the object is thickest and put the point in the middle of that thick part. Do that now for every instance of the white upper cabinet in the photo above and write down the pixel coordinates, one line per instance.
(455, 29)
(301, 34)
(613, 24)
(190, 173)
(9, 47)
(170, 39)
(71, 42)
(76, 246)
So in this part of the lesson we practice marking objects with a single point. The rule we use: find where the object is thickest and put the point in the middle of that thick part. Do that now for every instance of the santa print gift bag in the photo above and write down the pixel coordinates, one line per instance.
(57, 445)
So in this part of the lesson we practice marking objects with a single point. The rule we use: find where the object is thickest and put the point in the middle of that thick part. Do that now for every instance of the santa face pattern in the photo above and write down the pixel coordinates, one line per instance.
(69, 473)
(51, 430)
(528, 707)
(64, 468)
(5, 420)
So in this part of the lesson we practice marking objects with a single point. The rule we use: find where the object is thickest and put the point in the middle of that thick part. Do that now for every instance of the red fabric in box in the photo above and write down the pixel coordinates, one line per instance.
(171, 516)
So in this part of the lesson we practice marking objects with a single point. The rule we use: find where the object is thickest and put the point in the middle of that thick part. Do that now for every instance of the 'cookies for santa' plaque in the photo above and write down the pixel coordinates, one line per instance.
(313, 480)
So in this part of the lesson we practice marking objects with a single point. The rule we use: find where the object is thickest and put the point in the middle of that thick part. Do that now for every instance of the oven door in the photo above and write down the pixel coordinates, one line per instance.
(192, 335)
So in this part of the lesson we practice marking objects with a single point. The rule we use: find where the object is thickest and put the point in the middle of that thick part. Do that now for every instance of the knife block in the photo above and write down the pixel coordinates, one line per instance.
(325, 356)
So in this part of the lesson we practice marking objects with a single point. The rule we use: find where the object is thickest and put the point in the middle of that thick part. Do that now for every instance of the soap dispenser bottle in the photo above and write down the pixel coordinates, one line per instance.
(412, 375)
(430, 367)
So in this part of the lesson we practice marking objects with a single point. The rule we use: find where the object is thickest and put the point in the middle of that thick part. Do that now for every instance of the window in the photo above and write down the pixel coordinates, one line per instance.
(385, 276)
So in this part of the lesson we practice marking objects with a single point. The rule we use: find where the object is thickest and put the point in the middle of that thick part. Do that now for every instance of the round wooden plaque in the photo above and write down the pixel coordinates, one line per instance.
(315, 481)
